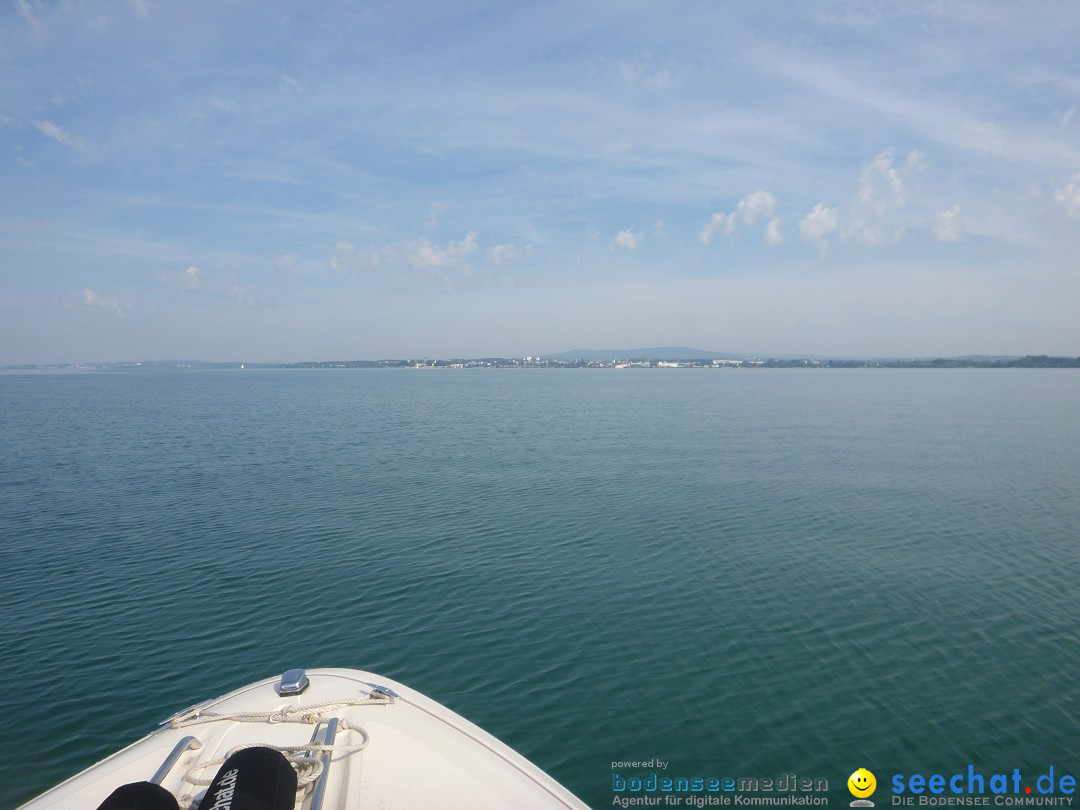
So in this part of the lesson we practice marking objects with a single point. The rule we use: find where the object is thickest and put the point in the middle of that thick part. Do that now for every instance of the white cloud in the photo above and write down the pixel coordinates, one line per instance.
(74, 92)
(26, 11)
(947, 119)
(195, 278)
(190, 279)
(617, 147)
(423, 255)
(102, 303)
(759, 203)
(223, 105)
(1069, 196)
(948, 225)
(880, 184)
(817, 225)
(772, 232)
(288, 263)
(661, 78)
(749, 210)
(437, 210)
(1063, 117)
(628, 239)
(348, 258)
(51, 130)
(881, 190)
(500, 254)
(719, 220)
(420, 254)
(289, 84)
(637, 73)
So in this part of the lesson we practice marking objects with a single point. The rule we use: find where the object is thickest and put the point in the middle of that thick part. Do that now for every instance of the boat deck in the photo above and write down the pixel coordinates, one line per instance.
(389, 747)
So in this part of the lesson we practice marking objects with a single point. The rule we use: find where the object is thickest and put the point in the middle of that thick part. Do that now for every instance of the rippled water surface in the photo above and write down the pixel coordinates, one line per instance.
(745, 572)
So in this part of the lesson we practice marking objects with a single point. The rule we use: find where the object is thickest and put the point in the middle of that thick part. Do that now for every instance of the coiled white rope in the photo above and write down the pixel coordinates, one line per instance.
(304, 759)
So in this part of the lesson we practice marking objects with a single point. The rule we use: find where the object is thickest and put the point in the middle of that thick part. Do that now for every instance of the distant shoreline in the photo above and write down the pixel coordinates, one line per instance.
(1029, 361)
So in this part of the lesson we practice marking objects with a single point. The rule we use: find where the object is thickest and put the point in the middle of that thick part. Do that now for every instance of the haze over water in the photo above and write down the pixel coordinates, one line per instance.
(743, 572)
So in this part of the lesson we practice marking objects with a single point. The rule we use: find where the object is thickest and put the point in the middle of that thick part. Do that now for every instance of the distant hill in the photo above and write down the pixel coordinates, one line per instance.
(655, 353)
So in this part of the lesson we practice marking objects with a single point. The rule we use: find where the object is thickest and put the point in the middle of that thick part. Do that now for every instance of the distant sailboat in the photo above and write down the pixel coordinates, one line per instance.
(241, 365)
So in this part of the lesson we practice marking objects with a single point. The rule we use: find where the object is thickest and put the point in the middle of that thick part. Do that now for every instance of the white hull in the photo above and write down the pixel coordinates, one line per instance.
(415, 752)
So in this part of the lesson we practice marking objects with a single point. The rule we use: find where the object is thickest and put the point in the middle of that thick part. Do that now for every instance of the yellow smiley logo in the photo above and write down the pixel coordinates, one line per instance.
(861, 783)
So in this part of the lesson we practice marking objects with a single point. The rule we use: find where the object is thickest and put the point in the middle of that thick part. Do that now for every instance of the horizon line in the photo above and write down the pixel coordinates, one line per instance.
(567, 356)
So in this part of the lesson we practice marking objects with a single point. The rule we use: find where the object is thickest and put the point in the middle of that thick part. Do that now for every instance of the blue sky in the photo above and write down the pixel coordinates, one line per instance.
(267, 181)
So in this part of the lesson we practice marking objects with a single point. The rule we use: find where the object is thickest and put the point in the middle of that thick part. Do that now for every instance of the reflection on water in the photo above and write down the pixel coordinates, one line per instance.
(739, 571)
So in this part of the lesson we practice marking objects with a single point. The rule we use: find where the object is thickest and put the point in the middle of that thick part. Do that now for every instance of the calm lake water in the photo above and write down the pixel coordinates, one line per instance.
(743, 572)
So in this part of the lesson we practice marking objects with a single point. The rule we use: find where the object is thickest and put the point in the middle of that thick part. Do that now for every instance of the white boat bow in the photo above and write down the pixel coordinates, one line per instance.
(356, 739)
